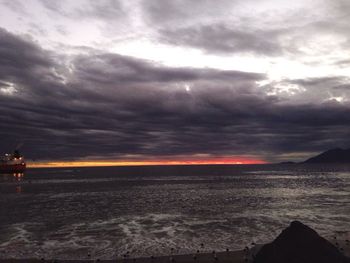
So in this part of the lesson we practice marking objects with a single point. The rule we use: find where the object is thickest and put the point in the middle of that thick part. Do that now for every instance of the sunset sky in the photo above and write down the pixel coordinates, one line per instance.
(224, 81)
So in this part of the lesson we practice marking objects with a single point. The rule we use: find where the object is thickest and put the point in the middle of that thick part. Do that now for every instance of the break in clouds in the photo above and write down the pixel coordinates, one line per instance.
(146, 79)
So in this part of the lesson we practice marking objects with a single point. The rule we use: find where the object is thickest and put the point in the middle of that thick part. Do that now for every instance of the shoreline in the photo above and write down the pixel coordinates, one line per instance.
(235, 256)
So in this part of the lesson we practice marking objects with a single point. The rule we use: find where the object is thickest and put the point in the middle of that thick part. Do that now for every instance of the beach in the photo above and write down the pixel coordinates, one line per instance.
(232, 256)
(239, 256)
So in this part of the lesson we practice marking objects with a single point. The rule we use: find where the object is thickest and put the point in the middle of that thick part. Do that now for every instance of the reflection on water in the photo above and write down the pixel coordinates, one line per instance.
(18, 189)
(17, 178)
(12, 177)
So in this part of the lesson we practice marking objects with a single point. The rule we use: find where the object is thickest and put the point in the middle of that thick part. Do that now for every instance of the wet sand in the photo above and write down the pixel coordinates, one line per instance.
(240, 256)
(224, 257)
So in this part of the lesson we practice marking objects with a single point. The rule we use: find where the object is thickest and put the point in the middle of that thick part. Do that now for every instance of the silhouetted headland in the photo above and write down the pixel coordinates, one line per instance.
(332, 156)
(336, 155)
(286, 163)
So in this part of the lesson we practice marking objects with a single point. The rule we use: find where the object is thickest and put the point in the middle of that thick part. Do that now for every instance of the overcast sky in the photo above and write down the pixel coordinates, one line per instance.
(148, 79)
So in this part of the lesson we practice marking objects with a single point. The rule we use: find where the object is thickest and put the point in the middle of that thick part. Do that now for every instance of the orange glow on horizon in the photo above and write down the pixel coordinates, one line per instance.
(95, 163)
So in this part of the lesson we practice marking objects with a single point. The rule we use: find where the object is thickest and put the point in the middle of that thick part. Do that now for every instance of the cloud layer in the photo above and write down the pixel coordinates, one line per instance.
(68, 101)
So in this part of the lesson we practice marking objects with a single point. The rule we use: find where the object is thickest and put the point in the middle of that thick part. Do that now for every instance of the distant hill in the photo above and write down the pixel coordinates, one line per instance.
(337, 155)
(289, 162)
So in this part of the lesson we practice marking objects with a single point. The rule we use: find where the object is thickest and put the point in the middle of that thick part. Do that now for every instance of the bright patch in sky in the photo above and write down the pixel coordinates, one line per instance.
(9, 89)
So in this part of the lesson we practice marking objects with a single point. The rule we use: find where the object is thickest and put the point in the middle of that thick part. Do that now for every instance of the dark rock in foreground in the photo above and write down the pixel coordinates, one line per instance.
(332, 156)
(299, 243)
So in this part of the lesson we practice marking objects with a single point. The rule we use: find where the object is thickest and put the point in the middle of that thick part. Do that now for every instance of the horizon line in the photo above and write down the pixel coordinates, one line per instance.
(62, 164)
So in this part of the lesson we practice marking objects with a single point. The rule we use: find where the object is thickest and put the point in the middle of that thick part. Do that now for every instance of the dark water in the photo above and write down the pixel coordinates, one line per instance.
(69, 213)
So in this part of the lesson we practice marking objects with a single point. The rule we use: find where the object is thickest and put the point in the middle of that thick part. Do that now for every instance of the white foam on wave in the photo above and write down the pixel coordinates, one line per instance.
(150, 234)
(18, 242)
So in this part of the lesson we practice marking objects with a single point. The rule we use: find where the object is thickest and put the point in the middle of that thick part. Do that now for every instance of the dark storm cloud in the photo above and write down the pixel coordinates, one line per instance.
(108, 17)
(343, 62)
(56, 6)
(214, 27)
(23, 62)
(220, 38)
(225, 27)
(17, 52)
(227, 38)
(113, 68)
(15, 5)
(166, 13)
(103, 9)
(108, 105)
(317, 81)
(323, 88)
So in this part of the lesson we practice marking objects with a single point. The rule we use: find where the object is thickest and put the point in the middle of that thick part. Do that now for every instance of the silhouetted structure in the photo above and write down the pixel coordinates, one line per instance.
(12, 163)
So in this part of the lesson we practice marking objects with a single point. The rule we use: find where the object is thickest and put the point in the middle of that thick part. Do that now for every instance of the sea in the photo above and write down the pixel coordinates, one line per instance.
(108, 212)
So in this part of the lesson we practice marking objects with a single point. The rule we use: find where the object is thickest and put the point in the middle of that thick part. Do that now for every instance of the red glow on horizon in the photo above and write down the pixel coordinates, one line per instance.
(188, 161)
(220, 161)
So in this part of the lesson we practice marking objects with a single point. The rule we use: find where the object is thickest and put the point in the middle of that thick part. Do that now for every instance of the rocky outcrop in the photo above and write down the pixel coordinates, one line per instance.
(299, 243)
